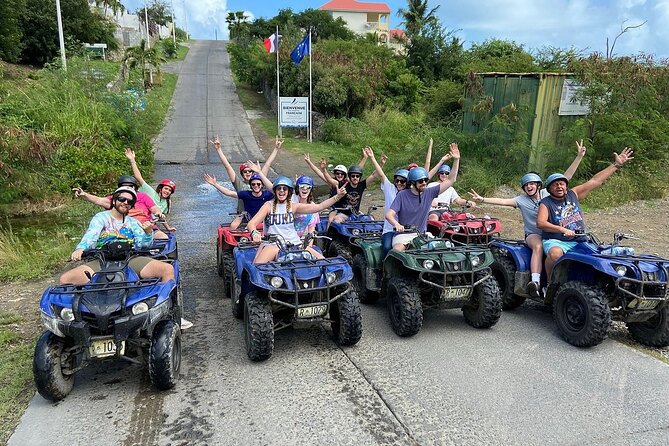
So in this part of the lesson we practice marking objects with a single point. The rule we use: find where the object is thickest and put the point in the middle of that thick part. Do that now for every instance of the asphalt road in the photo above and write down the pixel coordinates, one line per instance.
(517, 383)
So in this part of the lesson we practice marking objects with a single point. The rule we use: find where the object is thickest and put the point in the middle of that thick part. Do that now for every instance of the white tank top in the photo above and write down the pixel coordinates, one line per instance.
(282, 223)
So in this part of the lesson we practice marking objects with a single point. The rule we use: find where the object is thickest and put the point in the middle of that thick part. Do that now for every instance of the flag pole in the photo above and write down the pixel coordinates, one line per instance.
(310, 92)
(278, 94)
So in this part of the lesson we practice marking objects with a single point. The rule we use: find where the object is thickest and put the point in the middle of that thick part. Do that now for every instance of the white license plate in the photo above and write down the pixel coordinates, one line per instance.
(456, 293)
(313, 311)
(102, 348)
(643, 304)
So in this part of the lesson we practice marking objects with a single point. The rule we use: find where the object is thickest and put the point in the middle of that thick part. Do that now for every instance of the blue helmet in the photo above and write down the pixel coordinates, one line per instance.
(283, 181)
(530, 178)
(554, 177)
(304, 179)
(444, 168)
(255, 176)
(417, 173)
(402, 173)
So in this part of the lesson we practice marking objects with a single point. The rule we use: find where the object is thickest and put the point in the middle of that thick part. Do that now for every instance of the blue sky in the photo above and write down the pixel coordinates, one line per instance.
(584, 24)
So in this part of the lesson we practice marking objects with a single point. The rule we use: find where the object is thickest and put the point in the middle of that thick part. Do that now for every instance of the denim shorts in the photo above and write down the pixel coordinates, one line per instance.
(563, 245)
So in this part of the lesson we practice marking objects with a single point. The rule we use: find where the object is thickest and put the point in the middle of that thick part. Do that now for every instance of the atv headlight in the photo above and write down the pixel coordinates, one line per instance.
(306, 255)
(476, 261)
(243, 239)
(428, 264)
(355, 231)
(331, 277)
(621, 269)
(276, 281)
(66, 314)
(139, 308)
(489, 228)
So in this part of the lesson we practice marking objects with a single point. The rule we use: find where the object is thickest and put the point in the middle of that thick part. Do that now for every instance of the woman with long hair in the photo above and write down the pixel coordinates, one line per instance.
(305, 223)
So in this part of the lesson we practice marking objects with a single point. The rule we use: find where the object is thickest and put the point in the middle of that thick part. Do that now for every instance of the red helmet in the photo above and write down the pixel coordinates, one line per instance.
(168, 183)
(411, 166)
(242, 167)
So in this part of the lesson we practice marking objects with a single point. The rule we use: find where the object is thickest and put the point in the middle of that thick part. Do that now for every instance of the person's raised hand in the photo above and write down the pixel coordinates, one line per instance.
(475, 196)
(454, 151)
(625, 156)
(368, 152)
(383, 159)
(342, 190)
(323, 164)
(216, 142)
(278, 142)
(209, 178)
(580, 147)
(78, 192)
(253, 166)
(307, 158)
(130, 154)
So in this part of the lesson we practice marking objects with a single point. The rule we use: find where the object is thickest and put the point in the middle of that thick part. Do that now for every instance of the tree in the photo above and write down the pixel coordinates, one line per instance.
(416, 18)
(10, 30)
(236, 21)
(159, 14)
(138, 56)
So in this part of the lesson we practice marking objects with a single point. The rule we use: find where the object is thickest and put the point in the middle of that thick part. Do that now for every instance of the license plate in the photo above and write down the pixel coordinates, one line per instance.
(312, 311)
(102, 348)
(643, 304)
(456, 293)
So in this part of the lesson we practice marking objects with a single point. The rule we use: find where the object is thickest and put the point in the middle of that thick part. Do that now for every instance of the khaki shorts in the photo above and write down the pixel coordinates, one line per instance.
(136, 263)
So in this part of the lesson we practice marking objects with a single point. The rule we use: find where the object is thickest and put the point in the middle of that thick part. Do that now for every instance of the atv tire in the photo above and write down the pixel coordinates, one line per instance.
(236, 300)
(50, 381)
(404, 306)
(346, 316)
(360, 280)
(654, 332)
(582, 314)
(504, 271)
(165, 355)
(258, 327)
(338, 248)
(485, 305)
(219, 259)
(228, 273)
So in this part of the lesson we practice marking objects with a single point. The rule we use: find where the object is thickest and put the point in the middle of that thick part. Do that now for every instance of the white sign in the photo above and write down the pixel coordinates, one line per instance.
(293, 112)
(570, 104)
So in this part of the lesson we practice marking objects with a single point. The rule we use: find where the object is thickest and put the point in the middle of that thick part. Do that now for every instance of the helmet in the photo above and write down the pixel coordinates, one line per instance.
(355, 169)
(341, 168)
(530, 178)
(168, 183)
(411, 166)
(255, 176)
(304, 179)
(401, 173)
(444, 168)
(127, 179)
(283, 181)
(417, 173)
(554, 177)
(125, 189)
(243, 166)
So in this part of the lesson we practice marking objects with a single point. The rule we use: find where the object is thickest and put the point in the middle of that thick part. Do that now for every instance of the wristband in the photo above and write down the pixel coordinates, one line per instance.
(254, 232)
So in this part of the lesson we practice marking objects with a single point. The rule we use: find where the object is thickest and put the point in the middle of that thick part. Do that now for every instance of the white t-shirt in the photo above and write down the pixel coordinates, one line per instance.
(448, 196)
(389, 194)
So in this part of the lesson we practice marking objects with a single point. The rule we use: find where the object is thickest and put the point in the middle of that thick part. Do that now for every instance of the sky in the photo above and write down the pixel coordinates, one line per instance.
(582, 24)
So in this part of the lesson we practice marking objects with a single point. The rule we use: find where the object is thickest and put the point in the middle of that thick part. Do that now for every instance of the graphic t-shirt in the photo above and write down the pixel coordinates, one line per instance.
(566, 213)
(252, 204)
(448, 196)
(142, 208)
(104, 229)
(529, 207)
(352, 197)
(282, 223)
(155, 196)
(412, 209)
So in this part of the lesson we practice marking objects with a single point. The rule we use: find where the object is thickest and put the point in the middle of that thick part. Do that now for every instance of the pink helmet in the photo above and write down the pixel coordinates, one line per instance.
(168, 183)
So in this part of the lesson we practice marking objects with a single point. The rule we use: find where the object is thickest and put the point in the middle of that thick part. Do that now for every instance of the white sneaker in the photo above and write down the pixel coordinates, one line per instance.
(185, 325)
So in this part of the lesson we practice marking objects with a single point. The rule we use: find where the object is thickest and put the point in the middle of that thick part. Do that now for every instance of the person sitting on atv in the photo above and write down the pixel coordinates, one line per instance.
(279, 218)
(241, 181)
(447, 197)
(117, 225)
(411, 206)
(560, 216)
(253, 199)
(305, 223)
(528, 204)
(144, 209)
(161, 195)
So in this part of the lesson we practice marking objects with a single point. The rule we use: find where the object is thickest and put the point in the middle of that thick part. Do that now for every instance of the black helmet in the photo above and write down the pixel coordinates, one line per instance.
(127, 179)
(355, 169)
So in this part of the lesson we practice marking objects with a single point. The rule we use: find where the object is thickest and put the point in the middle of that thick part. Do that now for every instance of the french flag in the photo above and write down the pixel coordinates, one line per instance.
(271, 43)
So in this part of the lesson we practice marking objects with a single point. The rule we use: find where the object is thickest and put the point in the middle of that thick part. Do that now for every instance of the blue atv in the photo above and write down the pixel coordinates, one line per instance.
(341, 236)
(590, 286)
(295, 290)
(116, 315)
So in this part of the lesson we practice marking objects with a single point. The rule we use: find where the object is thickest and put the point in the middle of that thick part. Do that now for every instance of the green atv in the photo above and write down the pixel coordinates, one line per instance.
(431, 273)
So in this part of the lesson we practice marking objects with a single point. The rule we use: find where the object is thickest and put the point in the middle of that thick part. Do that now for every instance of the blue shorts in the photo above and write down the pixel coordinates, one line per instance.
(563, 245)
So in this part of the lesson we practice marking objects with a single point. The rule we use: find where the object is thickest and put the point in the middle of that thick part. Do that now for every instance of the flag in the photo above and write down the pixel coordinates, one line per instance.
(271, 43)
(300, 50)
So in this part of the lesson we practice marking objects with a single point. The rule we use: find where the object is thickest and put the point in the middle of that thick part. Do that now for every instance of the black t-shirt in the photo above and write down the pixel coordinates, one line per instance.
(352, 197)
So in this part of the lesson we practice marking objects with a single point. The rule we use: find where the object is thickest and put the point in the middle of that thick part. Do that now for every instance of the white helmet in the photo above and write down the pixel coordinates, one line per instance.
(341, 168)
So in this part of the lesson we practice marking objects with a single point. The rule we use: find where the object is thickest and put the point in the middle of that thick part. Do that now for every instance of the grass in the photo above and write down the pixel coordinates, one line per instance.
(15, 374)
(250, 98)
(181, 52)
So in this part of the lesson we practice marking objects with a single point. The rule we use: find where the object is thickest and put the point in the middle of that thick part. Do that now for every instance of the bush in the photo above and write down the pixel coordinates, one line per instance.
(442, 101)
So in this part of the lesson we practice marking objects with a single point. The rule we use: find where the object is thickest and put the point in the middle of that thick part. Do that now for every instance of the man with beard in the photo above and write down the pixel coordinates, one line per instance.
(560, 216)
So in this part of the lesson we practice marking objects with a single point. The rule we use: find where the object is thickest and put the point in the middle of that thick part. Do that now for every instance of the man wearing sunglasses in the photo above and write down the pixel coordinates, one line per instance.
(115, 225)
(412, 206)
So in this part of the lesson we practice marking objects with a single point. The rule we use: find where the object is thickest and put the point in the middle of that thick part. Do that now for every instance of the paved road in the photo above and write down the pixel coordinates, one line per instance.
(517, 383)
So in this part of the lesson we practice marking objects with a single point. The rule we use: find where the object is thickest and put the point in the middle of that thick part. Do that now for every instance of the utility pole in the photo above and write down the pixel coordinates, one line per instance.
(185, 19)
(216, 33)
(174, 26)
(60, 36)
(146, 24)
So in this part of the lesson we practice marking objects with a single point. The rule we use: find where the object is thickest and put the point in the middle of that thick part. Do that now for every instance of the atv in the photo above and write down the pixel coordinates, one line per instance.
(590, 286)
(463, 227)
(117, 315)
(226, 240)
(430, 273)
(295, 290)
(340, 236)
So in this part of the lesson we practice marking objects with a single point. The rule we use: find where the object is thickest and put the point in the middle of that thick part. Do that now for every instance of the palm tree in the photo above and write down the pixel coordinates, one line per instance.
(235, 21)
(416, 16)
(139, 56)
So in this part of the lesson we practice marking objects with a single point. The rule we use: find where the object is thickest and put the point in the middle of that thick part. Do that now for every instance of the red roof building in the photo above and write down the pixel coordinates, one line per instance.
(354, 6)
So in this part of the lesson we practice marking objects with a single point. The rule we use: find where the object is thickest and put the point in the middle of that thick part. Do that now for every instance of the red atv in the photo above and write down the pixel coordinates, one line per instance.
(464, 228)
(226, 240)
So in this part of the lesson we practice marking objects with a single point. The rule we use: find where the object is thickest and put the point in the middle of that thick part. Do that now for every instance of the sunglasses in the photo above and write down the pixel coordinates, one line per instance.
(421, 181)
(130, 201)
(443, 173)
(305, 187)
(247, 171)
(354, 175)
(339, 173)
(400, 181)
(256, 184)
(281, 188)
